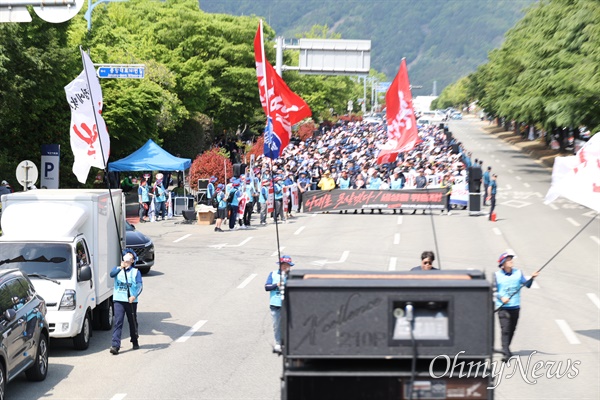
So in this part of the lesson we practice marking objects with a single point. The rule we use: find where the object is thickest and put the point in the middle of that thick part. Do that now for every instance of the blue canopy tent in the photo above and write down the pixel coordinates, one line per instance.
(150, 157)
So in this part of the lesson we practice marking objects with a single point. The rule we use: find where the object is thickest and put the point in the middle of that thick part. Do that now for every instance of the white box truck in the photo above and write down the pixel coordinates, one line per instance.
(67, 241)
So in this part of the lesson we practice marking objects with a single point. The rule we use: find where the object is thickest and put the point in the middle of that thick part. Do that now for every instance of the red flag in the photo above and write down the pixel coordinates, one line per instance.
(282, 106)
(400, 115)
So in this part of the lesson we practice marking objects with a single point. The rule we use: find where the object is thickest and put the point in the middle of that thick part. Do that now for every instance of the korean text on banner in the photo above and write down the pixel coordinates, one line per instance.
(90, 142)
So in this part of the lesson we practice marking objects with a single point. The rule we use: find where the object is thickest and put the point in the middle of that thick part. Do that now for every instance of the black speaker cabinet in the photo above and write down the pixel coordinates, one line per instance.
(352, 315)
(202, 184)
(239, 169)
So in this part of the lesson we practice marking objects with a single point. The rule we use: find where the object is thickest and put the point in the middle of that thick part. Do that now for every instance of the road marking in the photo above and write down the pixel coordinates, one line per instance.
(497, 231)
(191, 331)
(400, 220)
(314, 215)
(182, 238)
(594, 299)
(518, 178)
(277, 252)
(534, 284)
(553, 206)
(299, 230)
(392, 266)
(508, 187)
(567, 331)
(595, 239)
(344, 257)
(575, 223)
(221, 245)
(397, 238)
(119, 396)
(246, 281)
(526, 184)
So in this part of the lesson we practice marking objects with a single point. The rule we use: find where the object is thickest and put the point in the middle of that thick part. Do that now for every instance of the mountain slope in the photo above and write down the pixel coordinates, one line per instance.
(442, 40)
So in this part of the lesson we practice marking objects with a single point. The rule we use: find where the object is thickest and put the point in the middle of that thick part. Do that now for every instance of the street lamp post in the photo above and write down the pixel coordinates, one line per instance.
(91, 6)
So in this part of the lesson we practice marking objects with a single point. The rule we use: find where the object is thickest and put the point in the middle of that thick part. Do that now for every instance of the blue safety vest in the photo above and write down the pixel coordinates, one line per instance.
(120, 287)
(506, 285)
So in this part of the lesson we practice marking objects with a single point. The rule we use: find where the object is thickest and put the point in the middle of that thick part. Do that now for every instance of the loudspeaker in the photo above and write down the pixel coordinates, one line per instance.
(474, 202)
(202, 184)
(360, 314)
(189, 215)
(239, 169)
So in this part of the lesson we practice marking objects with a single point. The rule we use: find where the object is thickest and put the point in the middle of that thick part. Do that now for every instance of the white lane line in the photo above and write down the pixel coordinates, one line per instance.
(182, 238)
(575, 223)
(342, 259)
(534, 284)
(243, 242)
(526, 184)
(497, 231)
(277, 252)
(191, 331)
(299, 230)
(594, 299)
(119, 396)
(397, 238)
(314, 215)
(400, 220)
(553, 206)
(393, 261)
(567, 331)
(518, 177)
(508, 187)
(595, 239)
(246, 281)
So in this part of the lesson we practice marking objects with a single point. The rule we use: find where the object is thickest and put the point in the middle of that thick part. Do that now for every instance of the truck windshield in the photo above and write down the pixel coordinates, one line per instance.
(47, 259)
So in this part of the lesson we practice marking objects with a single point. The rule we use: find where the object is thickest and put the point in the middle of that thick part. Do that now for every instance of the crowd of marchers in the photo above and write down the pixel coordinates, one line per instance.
(344, 157)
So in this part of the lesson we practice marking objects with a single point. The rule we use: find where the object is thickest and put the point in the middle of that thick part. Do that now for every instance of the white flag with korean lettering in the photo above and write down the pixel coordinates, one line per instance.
(90, 142)
(577, 177)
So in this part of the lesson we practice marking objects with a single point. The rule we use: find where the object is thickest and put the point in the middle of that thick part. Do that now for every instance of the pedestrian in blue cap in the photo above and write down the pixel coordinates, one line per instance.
(127, 288)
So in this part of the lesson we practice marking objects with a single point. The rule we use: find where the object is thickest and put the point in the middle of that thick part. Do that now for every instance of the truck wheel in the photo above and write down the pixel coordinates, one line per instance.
(2, 381)
(39, 369)
(82, 340)
(106, 317)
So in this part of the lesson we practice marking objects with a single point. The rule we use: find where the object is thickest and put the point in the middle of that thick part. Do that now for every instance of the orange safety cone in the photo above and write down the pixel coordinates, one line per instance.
(494, 216)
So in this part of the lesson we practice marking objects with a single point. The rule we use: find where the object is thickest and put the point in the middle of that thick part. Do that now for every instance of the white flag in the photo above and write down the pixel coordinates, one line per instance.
(577, 177)
(90, 142)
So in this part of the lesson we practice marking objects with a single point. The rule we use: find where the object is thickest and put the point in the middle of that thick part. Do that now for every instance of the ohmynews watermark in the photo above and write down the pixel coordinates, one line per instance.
(530, 372)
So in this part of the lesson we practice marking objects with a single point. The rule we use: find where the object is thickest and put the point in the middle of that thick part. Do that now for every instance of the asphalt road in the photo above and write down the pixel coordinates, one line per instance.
(205, 327)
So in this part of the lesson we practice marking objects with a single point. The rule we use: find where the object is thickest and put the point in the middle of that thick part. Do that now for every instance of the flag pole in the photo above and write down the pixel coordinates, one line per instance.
(87, 77)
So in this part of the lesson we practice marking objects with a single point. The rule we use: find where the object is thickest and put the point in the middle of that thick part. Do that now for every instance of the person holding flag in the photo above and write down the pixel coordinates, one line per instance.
(275, 285)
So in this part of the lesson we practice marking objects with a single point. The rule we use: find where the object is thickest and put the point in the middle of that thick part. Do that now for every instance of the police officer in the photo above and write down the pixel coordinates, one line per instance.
(127, 288)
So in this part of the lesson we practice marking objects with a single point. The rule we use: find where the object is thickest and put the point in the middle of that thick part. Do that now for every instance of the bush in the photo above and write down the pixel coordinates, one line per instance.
(210, 163)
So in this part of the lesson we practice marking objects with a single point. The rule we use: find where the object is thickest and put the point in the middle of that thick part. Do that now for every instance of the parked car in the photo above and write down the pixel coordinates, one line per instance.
(23, 329)
(143, 247)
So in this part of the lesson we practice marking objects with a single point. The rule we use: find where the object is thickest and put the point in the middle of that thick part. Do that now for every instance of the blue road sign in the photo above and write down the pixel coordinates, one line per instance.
(383, 86)
(122, 71)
